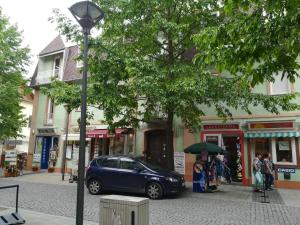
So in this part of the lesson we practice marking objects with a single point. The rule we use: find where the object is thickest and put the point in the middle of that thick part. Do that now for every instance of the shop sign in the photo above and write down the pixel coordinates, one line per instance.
(179, 162)
(13, 142)
(286, 170)
(284, 145)
(220, 126)
(271, 125)
(46, 130)
(11, 156)
(36, 158)
(69, 152)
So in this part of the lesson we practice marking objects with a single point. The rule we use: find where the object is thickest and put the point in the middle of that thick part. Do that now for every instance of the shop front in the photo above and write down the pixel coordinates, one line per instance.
(103, 142)
(281, 140)
(231, 138)
(46, 149)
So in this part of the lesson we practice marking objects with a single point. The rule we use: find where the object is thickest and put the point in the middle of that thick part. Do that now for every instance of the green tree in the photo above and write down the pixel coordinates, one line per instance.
(142, 68)
(66, 94)
(257, 38)
(62, 93)
(13, 59)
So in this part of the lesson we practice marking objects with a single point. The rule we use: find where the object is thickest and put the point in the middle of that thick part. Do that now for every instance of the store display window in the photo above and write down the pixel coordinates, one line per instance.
(284, 150)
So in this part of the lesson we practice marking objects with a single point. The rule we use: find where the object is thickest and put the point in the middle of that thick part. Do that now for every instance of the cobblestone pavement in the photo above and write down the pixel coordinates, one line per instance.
(268, 196)
(232, 205)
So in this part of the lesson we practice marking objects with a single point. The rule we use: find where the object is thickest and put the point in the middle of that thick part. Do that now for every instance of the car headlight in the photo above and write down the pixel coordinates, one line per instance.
(171, 179)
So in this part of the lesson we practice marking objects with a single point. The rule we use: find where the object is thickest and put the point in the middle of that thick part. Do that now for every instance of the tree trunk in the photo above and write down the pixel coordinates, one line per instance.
(169, 139)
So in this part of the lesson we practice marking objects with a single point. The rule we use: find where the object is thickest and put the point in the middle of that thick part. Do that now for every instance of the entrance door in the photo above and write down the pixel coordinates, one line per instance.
(46, 145)
(156, 146)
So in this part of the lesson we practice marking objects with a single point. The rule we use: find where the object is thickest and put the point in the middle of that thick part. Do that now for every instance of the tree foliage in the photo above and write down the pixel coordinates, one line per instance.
(142, 67)
(256, 38)
(62, 93)
(13, 59)
(66, 94)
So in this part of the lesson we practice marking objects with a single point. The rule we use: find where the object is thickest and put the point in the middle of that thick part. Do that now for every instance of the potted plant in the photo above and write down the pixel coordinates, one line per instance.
(34, 168)
(50, 169)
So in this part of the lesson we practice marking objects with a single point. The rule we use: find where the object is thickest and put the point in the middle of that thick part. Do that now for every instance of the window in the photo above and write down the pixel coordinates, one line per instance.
(50, 111)
(56, 67)
(99, 161)
(110, 163)
(129, 164)
(284, 150)
(279, 86)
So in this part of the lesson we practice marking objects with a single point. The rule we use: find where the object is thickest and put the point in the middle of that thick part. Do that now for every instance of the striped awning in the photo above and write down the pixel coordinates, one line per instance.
(272, 134)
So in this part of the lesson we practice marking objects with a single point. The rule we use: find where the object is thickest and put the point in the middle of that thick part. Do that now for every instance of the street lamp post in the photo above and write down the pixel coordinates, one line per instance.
(87, 15)
(68, 110)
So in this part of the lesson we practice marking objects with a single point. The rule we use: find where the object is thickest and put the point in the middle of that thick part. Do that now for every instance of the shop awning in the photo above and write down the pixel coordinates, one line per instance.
(104, 133)
(272, 134)
(73, 137)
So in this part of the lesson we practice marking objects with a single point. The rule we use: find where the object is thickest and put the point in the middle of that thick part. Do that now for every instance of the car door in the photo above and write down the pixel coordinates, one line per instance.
(110, 172)
(132, 176)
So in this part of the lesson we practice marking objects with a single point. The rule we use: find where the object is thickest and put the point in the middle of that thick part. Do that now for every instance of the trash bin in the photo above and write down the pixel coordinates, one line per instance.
(124, 210)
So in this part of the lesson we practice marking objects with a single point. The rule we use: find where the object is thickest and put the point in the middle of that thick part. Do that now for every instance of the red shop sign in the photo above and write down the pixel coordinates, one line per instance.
(271, 125)
(220, 126)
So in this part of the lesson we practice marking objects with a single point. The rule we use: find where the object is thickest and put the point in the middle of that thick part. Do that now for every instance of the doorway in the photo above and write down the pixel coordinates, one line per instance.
(99, 147)
(156, 147)
(233, 159)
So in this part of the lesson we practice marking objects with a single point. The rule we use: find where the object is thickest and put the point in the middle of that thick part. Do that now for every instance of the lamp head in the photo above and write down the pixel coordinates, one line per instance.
(87, 14)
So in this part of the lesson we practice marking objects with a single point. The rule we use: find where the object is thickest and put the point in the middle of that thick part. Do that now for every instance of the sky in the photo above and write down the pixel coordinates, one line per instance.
(31, 16)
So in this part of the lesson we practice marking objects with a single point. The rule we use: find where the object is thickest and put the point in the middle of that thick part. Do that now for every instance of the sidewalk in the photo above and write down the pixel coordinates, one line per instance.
(37, 218)
(43, 178)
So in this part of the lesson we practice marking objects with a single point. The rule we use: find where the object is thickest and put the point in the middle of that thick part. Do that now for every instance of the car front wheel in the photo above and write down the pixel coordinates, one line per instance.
(95, 187)
(154, 191)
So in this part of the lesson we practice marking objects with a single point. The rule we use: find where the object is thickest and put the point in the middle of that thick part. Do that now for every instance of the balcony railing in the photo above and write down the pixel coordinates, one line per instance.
(45, 76)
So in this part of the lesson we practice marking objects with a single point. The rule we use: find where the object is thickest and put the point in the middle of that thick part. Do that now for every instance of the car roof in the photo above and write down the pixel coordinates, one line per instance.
(116, 156)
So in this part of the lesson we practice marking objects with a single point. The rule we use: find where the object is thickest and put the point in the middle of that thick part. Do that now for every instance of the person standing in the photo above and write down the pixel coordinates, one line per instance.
(258, 179)
(268, 172)
(271, 165)
(198, 177)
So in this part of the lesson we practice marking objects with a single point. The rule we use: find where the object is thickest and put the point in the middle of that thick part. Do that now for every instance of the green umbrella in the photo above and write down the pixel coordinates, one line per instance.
(204, 146)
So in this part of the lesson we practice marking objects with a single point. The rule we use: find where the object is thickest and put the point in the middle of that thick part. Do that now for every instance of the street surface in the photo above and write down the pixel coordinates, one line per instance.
(233, 205)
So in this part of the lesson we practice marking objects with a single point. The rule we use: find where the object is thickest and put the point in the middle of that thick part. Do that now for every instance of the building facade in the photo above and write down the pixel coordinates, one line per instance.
(243, 137)
(49, 121)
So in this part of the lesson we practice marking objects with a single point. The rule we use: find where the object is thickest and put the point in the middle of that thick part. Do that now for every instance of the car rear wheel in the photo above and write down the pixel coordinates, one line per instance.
(154, 190)
(95, 187)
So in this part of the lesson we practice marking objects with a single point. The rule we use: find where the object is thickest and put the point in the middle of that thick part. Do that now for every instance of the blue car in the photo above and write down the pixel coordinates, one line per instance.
(129, 174)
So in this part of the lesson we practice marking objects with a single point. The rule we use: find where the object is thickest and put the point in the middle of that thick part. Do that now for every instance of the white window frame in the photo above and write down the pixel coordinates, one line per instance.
(290, 89)
(294, 156)
(219, 138)
(48, 119)
(60, 66)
